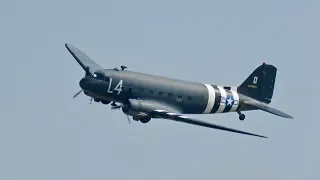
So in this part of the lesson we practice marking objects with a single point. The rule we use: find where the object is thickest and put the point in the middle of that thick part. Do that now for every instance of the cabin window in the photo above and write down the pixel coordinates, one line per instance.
(160, 93)
(170, 94)
(141, 89)
(189, 98)
(151, 91)
(179, 98)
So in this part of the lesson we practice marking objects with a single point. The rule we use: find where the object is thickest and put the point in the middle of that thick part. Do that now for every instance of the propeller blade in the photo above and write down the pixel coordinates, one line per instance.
(128, 119)
(115, 106)
(74, 96)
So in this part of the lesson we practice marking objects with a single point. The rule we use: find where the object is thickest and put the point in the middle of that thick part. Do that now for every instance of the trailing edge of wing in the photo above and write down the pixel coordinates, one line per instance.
(268, 109)
(84, 61)
(181, 118)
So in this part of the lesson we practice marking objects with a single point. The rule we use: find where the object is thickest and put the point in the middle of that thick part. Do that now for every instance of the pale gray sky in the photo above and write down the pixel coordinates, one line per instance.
(45, 134)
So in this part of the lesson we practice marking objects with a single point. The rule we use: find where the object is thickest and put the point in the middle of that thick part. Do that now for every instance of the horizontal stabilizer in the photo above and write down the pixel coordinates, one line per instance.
(267, 108)
(84, 61)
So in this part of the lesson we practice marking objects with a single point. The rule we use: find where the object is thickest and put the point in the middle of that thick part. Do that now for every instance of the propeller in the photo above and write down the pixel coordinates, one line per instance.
(128, 119)
(74, 96)
(87, 73)
(115, 106)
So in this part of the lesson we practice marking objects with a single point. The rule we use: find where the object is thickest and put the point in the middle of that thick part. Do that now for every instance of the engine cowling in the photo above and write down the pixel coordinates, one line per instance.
(137, 108)
(144, 106)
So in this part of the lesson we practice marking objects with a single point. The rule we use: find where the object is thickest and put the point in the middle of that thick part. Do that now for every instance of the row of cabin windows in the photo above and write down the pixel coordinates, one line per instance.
(162, 93)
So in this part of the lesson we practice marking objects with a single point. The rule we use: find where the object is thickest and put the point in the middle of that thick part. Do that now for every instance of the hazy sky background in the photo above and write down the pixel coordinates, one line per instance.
(45, 134)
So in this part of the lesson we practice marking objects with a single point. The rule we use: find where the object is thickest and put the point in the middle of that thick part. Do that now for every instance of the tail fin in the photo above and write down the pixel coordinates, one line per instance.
(260, 84)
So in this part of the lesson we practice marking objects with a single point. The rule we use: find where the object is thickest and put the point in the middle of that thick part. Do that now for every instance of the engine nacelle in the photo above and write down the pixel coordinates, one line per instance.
(145, 106)
(137, 108)
(142, 105)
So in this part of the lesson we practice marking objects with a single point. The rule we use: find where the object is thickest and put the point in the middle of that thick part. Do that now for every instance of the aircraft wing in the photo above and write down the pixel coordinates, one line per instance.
(185, 119)
(84, 61)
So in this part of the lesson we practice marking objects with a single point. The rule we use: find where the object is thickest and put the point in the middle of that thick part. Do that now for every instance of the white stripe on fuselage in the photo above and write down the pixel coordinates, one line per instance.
(223, 99)
(211, 99)
(233, 88)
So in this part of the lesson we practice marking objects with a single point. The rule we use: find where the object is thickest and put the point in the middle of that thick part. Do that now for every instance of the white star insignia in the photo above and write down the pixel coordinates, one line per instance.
(229, 101)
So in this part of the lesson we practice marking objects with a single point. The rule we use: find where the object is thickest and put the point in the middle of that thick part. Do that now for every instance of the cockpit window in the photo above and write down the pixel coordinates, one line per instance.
(98, 75)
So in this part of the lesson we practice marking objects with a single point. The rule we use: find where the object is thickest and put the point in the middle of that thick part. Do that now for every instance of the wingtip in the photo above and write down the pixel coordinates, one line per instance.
(66, 45)
(261, 136)
(70, 47)
(288, 116)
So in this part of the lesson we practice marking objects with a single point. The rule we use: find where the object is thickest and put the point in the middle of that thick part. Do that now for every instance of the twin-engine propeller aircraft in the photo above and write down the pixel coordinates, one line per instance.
(144, 96)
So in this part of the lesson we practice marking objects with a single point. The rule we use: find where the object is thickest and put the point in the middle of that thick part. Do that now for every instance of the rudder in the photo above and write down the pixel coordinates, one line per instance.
(260, 84)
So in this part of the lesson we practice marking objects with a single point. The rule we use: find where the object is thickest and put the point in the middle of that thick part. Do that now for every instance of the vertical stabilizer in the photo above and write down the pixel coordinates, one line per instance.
(260, 84)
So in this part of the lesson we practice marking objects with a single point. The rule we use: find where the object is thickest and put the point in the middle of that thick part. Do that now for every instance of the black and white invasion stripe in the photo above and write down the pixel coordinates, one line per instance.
(221, 99)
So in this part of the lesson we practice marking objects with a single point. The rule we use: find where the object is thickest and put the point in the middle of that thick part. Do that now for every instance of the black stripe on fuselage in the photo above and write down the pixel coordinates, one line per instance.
(217, 99)
(229, 94)
(227, 87)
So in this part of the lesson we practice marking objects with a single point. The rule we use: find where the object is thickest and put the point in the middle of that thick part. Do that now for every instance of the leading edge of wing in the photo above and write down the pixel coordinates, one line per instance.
(181, 118)
(83, 60)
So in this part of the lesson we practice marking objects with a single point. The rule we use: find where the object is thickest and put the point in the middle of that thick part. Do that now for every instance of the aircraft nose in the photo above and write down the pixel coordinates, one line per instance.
(92, 84)
(83, 83)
